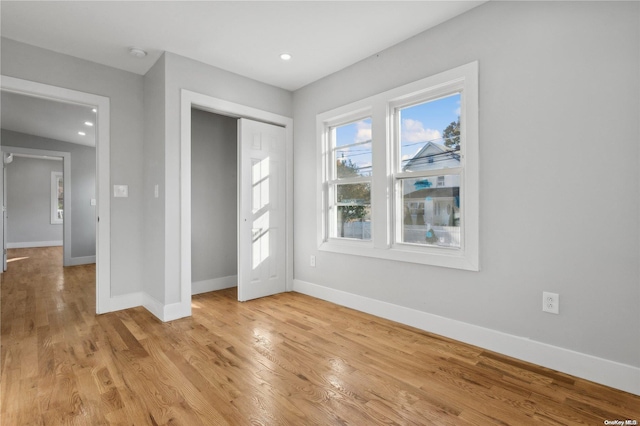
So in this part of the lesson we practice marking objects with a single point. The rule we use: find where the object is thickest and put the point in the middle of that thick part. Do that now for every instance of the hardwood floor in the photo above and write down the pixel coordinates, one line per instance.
(288, 359)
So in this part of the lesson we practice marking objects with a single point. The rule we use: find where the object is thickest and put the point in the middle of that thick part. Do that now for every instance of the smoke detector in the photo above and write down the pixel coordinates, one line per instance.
(137, 52)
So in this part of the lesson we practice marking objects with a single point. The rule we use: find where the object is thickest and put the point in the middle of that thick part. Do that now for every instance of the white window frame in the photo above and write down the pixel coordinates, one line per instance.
(55, 177)
(382, 108)
(330, 180)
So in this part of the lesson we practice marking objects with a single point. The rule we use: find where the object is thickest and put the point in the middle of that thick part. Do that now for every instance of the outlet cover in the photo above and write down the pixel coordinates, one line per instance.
(551, 302)
(121, 191)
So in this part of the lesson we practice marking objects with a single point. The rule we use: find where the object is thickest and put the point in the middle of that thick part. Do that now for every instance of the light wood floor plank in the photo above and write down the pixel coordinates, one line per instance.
(288, 359)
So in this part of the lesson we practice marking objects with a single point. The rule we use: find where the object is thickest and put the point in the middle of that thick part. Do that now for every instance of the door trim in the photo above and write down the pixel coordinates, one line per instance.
(66, 172)
(103, 125)
(189, 99)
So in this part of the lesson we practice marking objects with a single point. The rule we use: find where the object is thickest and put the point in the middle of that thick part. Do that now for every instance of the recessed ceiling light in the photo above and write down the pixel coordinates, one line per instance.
(81, 133)
(137, 52)
(88, 123)
(285, 56)
(94, 110)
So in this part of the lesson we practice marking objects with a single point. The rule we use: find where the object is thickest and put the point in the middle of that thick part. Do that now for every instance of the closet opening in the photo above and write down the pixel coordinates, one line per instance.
(214, 201)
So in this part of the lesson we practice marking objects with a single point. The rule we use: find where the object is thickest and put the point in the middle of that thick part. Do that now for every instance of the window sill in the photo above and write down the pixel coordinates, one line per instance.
(446, 258)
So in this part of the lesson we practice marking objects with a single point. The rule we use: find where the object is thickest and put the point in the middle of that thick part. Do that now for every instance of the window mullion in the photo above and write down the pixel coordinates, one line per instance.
(380, 205)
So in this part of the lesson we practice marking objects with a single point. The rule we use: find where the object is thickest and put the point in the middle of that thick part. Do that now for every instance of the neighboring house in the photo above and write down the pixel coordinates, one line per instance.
(433, 156)
(432, 204)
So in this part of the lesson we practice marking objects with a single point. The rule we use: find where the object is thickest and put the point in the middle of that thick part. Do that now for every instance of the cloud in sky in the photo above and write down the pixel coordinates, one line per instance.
(414, 131)
(364, 131)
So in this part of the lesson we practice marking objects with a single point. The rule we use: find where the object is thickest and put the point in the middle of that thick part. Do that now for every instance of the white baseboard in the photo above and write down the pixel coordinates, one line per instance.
(174, 311)
(84, 260)
(32, 244)
(126, 301)
(153, 305)
(214, 284)
(164, 312)
(599, 370)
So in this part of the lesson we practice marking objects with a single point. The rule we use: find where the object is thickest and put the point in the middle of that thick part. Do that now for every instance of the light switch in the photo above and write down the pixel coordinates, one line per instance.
(120, 190)
(93, 201)
(156, 191)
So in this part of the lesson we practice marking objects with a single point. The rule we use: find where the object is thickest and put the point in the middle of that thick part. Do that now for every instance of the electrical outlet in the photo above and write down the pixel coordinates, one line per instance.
(121, 191)
(312, 261)
(551, 302)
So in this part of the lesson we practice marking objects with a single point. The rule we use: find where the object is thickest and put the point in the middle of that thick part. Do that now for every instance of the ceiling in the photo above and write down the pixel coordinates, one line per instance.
(47, 118)
(244, 37)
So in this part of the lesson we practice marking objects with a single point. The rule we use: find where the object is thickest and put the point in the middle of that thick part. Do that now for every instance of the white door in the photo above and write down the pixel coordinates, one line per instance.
(261, 210)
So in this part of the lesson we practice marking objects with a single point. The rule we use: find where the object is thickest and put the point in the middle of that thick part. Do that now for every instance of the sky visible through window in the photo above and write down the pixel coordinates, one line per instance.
(420, 124)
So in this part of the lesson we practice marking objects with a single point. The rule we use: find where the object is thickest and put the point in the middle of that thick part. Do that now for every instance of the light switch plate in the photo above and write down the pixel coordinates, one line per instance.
(93, 202)
(120, 190)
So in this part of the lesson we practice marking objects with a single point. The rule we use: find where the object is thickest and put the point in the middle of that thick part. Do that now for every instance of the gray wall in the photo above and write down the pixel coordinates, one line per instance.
(214, 182)
(83, 187)
(184, 73)
(153, 164)
(29, 201)
(559, 85)
(125, 91)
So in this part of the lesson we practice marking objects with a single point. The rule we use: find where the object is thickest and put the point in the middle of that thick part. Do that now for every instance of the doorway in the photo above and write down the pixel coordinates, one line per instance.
(34, 193)
(191, 100)
(101, 220)
(214, 201)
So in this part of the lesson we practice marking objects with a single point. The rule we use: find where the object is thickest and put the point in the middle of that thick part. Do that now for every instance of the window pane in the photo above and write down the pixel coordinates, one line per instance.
(352, 149)
(431, 211)
(430, 135)
(353, 211)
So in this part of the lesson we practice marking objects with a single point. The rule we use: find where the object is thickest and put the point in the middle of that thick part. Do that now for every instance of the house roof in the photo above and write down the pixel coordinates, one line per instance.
(430, 154)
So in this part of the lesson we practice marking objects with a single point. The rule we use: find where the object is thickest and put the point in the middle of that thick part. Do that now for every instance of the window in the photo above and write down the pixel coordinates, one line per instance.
(398, 173)
(57, 198)
(350, 172)
(428, 171)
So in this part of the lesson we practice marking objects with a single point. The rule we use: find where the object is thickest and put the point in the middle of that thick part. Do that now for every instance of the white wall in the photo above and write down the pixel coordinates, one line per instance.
(125, 91)
(29, 202)
(83, 187)
(214, 187)
(558, 93)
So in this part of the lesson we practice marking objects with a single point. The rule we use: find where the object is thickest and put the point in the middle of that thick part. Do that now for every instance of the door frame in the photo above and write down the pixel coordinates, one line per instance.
(66, 173)
(103, 125)
(188, 100)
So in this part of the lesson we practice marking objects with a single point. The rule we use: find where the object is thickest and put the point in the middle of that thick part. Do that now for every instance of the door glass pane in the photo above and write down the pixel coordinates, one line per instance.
(430, 135)
(353, 211)
(431, 211)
